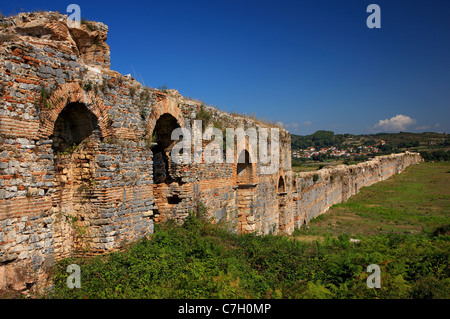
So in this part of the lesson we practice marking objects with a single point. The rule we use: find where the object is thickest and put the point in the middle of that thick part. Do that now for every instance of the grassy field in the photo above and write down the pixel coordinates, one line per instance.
(309, 166)
(402, 224)
(414, 202)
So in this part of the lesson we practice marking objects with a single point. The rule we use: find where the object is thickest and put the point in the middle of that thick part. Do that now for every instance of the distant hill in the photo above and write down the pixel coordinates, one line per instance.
(388, 142)
(318, 139)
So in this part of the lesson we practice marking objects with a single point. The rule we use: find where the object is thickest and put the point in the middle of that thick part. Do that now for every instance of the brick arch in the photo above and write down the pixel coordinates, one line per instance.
(168, 106)
(71, 93)
(248, 147)
(281, 176)
(251, 149)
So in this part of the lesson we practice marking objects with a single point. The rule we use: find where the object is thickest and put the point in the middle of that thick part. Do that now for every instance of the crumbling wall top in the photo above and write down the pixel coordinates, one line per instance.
(86, 40)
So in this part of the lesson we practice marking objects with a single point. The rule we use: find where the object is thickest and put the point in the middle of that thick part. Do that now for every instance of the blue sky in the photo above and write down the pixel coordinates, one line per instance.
(310, 65)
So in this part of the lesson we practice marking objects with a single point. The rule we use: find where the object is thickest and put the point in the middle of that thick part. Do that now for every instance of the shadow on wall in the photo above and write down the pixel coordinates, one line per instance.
(161, 152)
(76, 136)
(244, 170)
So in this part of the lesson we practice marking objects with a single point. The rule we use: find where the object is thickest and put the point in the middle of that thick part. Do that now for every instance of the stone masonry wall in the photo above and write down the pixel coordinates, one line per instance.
(84, 152)
(319, 190)
(85, 161)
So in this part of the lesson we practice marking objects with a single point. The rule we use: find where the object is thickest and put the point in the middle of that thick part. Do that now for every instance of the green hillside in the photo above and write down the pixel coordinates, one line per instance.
(393, 141)
(324, 148)
(402, 225)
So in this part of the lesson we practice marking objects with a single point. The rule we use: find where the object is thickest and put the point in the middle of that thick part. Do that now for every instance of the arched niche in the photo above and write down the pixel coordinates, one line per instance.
(75, 139)
(281, 185)
(244, 169)
(163, 144)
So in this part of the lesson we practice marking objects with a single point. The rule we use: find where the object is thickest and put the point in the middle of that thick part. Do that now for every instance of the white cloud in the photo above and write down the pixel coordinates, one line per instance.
(397, 123)
(293, 125)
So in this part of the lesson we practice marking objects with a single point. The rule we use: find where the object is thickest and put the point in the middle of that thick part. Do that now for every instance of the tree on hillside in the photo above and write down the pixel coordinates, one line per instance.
(436, 156)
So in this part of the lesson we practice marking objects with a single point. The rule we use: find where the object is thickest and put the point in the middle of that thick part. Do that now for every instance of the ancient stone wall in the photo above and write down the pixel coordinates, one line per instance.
(85, 152)
(318, 191)
(85, 155)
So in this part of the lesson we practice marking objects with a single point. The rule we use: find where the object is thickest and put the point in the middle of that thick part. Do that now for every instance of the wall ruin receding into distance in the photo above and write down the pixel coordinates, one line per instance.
(317, 191)
(85, 160)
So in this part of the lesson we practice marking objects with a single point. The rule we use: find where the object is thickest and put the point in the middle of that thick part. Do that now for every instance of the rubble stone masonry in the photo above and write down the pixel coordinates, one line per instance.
(85, 156)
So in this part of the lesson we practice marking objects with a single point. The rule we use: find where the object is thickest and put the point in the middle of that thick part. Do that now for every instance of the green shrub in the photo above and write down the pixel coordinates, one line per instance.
(87, 86)
(44, 102)
(203, 115)
(430, 287)
(202, 260)
(90, 25)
